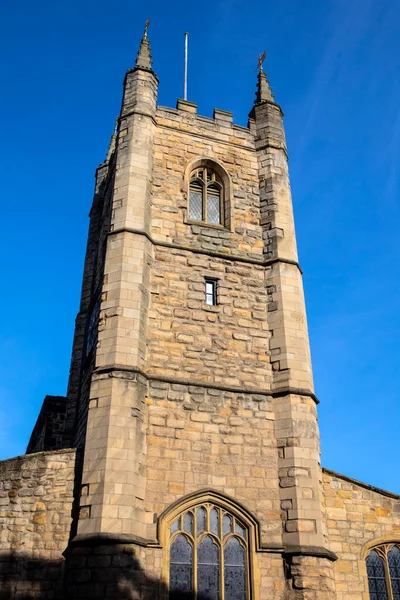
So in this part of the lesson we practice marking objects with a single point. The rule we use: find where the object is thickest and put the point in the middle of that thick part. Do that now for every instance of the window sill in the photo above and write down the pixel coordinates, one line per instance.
(211, 307)
(205, 224)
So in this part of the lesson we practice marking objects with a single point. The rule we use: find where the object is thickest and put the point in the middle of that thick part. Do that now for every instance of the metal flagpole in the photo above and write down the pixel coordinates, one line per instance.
(185, 67)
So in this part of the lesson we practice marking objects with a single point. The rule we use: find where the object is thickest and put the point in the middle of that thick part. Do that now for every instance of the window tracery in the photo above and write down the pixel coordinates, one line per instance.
(208, 555)
(206, 196)
(383, 569)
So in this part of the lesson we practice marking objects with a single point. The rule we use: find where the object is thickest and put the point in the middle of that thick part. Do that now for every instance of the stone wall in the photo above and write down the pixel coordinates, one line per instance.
(204, 438)
(357, 516)
(36, 493)
(121, 571)
(181, 138)
(86, 324)
(225, 344)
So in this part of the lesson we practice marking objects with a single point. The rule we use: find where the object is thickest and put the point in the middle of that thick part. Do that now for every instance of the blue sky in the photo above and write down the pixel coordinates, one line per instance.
(334, 67)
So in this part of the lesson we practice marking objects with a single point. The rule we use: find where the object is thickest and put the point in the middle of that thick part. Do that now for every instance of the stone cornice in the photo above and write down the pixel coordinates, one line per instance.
(106, 539)
(99, 539)
(263, 262)
(125, 115)
(278, 393)
(317, 551)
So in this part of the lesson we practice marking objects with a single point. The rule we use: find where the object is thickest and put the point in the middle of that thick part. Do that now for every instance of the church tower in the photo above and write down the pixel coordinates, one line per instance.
(191, 397)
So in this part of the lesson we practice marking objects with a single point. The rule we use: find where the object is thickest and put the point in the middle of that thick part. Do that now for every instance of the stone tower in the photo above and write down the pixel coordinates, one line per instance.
(191, 396)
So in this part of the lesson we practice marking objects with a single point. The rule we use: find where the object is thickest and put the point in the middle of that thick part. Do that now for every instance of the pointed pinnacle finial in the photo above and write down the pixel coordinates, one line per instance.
(261, 59)
(143, 60)
(146, 28)
(264, 92)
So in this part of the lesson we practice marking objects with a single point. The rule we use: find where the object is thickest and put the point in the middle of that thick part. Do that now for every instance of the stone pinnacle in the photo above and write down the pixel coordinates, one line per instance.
(264, 92)
(143, 60)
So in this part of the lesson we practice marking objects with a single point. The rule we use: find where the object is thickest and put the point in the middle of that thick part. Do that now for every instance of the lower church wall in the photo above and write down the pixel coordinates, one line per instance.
(36, 492)
(358, 517)
(203, 438)
(36, 499)
(120, 571)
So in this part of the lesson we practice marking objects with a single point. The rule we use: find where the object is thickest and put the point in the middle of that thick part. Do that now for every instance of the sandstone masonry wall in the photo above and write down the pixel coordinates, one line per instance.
(227, 344)
(202, 438)
(357, 517)
(36, 493)
(83, 353)
(181, 138)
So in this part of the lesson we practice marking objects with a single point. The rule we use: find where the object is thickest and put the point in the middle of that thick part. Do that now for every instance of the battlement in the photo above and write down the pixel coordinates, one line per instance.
(219, 127)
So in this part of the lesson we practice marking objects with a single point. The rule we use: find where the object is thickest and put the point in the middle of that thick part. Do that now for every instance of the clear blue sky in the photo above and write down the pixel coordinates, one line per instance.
(334, 67)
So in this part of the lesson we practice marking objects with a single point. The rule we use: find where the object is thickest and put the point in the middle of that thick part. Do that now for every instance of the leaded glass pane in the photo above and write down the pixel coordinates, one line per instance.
(188, 522)
(201, 520)
(213, 204)
(235, 575)
(240, 529)
(196, 202)
(394, 570)
(208, 570)
(174, 526)
(214, 521)
(376, 577)
(180, 574)
(227, 525)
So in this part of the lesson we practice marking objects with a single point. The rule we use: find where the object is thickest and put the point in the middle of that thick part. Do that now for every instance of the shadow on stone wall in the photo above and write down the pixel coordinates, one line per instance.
(101, 572)
(23, 577)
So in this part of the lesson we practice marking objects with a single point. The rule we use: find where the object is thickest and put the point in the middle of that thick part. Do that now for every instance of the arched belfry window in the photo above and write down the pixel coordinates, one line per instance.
(383, 569)
(208, 554)
(206, 197)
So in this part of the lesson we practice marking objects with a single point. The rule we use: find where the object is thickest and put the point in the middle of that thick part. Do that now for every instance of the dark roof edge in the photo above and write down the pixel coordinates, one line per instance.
(366, 486)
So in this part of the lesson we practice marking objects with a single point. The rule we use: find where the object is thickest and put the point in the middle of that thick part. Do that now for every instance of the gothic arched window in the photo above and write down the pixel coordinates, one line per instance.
(206, 196)
(383, 569)
(209, 555)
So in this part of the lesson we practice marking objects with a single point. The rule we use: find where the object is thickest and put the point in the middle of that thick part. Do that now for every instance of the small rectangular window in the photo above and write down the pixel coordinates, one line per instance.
(211, 291)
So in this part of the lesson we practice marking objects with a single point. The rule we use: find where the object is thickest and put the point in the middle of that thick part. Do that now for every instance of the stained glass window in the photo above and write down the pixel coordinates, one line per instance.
(208, 536)
(208, 569)
(205, 196)
(188, 522)
(383, 569)
(201, 519)
(181, 565)
(227, 526)
(376, 577)
(235, 576)
(394, 570)
(214, 518)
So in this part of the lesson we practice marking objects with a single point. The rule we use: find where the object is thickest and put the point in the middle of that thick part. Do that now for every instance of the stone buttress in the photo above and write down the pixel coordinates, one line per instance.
(296, 429)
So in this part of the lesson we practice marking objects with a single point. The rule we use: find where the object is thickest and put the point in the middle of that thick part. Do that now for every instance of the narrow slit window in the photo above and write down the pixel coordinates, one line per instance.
(211, 292)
